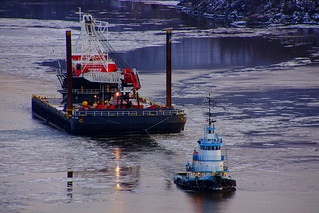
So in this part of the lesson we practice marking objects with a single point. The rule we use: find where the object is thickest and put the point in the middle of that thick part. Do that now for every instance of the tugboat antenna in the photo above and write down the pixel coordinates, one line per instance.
(210, 120)
(80, 14)
(209, 116)
(168, 68)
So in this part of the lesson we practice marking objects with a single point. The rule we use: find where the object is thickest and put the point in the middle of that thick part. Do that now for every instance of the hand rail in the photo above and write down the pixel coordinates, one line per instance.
(127, 113)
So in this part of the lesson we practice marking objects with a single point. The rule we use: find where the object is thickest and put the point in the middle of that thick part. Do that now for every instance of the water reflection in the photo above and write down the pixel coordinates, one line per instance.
(210, 53)
(126, 178)
(127, 143)
(119, 169)
(115, 177)
(69, 186)
(209, 202)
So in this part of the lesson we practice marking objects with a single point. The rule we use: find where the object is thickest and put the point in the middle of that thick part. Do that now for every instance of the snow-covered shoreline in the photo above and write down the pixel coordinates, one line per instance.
(261, 13)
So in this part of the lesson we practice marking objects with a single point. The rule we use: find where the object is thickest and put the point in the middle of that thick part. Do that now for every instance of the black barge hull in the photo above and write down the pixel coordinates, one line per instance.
(109, 121)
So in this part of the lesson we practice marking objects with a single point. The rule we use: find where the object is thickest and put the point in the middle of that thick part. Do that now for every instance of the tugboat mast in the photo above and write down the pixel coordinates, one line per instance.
(210, 119)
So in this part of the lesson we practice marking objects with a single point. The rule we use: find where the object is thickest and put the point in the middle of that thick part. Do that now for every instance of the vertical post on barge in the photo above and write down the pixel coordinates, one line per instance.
(168, 69)
(69, 107)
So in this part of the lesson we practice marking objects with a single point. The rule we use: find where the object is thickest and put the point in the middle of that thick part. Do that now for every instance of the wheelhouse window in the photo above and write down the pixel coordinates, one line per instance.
(210, 147)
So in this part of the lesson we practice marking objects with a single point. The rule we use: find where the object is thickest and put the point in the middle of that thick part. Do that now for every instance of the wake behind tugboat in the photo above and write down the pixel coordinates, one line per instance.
(208, 171)
(100, 95)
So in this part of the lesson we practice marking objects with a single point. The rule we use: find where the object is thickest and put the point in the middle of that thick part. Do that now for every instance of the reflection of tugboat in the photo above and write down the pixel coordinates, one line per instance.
(100, 95)
(208, 171)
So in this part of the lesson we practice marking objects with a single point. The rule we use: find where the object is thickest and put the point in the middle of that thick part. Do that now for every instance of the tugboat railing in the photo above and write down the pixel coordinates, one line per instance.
(127, 113)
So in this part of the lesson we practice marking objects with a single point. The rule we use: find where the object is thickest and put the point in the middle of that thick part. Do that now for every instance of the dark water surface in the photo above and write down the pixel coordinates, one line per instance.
(265, 83)
(212, 53)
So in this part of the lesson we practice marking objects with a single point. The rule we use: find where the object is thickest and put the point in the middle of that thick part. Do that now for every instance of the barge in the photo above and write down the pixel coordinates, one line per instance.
(100, 92)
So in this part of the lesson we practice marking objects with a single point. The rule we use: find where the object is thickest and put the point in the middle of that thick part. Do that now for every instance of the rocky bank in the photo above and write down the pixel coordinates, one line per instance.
(255, 12)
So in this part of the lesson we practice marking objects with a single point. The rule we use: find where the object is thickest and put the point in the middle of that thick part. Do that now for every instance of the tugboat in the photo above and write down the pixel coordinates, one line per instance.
(208, 172)
(100, 92)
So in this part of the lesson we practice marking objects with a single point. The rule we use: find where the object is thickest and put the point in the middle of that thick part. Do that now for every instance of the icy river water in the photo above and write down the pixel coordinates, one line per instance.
(265, 83)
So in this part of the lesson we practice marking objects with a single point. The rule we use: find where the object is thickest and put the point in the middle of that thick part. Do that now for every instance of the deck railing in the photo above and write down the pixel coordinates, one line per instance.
(79, 91)
(128, 113)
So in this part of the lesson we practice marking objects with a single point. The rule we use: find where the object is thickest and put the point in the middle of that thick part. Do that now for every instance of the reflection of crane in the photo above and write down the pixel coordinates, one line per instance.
(125, 178)
(69, 185)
